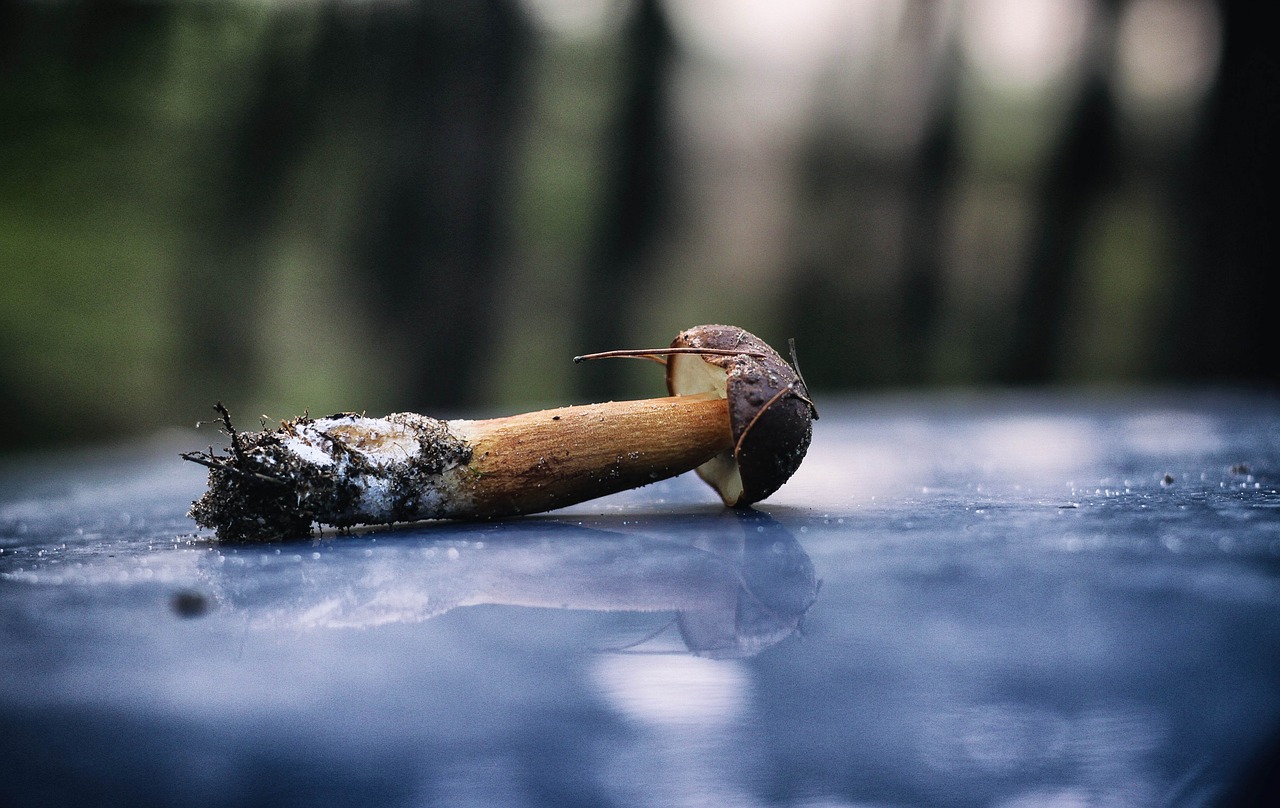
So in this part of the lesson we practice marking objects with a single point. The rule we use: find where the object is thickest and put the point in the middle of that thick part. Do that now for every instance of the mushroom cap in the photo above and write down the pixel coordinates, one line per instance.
(770, 414)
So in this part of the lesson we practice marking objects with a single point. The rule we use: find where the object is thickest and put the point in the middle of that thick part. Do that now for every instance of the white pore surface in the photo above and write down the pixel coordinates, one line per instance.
(690, 375)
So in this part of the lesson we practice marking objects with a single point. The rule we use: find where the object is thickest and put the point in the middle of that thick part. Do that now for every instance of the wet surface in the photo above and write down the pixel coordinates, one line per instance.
(968, 601)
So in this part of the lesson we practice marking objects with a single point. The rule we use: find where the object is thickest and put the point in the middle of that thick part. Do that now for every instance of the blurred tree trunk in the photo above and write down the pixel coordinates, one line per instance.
(1082, 168)
(246, 161)
(636, 193)
(1226, 313)
(930, 181)
(401, 119)
(444, 83)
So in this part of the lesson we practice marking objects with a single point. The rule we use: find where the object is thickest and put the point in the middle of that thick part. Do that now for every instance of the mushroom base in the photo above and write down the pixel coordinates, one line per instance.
(343, 471)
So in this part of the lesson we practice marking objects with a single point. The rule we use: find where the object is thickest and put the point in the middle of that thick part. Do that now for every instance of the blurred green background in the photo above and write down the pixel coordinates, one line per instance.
(382, 206)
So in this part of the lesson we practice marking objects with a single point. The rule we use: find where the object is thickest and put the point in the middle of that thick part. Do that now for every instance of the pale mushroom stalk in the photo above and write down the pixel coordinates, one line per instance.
(347, 469)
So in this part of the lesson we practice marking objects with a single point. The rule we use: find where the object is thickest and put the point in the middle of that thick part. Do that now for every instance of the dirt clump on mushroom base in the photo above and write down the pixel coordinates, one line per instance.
(343, 470)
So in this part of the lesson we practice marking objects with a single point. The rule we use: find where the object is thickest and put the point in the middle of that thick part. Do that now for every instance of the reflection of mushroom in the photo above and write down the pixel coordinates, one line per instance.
(734, 595)
(776, 588)
(738, 413)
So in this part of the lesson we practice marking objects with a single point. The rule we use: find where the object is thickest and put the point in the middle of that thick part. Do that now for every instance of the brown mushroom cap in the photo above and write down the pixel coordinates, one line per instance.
(770, 414)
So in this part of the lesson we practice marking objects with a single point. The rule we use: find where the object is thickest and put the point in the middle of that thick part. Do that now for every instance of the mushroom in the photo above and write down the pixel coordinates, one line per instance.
(738, 413)
(770, 413)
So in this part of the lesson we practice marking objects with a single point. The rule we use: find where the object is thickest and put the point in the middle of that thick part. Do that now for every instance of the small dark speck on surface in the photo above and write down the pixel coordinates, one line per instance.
(190, 603)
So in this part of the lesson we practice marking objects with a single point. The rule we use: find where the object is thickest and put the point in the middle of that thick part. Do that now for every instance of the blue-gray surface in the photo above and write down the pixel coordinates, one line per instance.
(969, 601)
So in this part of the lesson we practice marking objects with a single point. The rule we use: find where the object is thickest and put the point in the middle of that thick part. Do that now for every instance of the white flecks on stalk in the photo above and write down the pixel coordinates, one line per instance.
(376, 497)
(308, 444)
(378, 440)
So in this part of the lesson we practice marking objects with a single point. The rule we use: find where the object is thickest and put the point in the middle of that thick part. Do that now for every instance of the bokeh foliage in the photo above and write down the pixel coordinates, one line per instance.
(381, 206)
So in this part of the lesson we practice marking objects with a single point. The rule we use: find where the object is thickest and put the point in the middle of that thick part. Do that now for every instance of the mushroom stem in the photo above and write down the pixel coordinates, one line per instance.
(544, 460)
(348, 470)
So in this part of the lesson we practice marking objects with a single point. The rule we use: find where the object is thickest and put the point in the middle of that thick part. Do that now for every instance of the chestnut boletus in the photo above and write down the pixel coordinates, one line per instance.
(770, 413)
(738, 413)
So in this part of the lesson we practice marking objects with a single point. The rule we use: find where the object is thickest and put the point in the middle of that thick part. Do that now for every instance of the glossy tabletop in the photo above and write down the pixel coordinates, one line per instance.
(959, 600)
